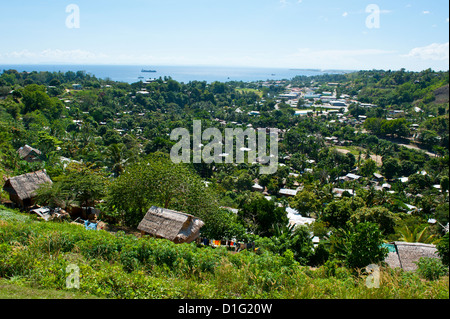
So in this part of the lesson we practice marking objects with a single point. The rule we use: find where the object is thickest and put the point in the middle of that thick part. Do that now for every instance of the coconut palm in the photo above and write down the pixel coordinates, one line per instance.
(418, 234)
(117, 156)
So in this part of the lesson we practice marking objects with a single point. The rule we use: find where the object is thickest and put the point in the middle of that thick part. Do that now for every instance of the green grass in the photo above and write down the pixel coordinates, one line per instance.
(247, 90)
(20, 289)
(352, 149)
(34, 256)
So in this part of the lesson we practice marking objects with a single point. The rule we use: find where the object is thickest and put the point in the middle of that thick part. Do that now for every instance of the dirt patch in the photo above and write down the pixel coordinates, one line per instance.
(376, 159)
(442, 95)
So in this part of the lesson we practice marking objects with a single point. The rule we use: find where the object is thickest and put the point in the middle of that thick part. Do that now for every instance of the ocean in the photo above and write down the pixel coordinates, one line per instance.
(131, 74)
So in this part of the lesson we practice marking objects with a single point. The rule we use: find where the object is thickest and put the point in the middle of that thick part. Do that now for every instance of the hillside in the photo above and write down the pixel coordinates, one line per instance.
(119, 266)
(442, 95)
(347, 173)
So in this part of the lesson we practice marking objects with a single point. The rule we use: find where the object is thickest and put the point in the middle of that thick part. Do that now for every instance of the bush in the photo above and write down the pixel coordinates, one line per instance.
(442, 248)
(122, 266)
(431, 268)
(359, 246)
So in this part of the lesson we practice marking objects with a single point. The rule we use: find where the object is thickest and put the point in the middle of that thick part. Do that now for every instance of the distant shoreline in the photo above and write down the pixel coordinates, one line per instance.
(133, 73)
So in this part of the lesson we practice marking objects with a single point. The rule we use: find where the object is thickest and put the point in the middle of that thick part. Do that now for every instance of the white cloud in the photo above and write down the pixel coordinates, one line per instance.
(70, 55)
(426, 12)
(19, 54)
(343, 59)
(342, 53)
(435, 52)
(284, 3)
(345, 14)
(52, 56)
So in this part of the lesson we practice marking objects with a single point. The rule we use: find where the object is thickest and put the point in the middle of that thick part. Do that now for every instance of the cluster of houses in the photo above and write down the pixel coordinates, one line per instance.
(182, 228)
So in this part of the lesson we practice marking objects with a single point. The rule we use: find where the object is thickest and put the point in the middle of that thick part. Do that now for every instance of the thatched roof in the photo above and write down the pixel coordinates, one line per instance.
(26, 150)
(25, 186)
(172, 225)
(408, 254)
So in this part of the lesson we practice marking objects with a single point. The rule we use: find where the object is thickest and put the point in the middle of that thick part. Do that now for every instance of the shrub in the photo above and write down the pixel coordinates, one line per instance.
(431, 268)
(442, 248)
(122, 266)
(359, 246)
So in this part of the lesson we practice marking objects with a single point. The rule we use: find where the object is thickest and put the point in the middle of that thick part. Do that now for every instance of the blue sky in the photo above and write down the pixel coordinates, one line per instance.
(412, 34)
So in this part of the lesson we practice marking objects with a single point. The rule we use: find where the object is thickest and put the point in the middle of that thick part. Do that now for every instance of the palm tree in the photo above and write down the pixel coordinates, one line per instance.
(371, 195)
(417, 235)
(116, 158)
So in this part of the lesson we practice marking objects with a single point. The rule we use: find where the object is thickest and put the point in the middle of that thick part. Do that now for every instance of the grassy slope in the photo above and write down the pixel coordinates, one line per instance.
(40, 262)
(18, 289)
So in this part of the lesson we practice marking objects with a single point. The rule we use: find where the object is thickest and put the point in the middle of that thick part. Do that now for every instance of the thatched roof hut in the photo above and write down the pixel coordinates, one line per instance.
(408, 254)
(22, 189)
(172, 225)
(29, 154)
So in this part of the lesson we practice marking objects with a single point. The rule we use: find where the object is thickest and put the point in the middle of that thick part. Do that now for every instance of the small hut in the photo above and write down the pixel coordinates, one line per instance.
(22, 189)
(29, 154)
(406, 255)
(172, 225)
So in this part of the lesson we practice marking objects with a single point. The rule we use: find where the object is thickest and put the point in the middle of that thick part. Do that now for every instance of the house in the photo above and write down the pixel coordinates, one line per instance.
(296, 219)
(403, 179)
(386, 186)
(367, 105)
(303, 112)
(405, 255)
(289, 96)
(172, 225)
(22, 189)
(287, 192)
(257, 188)
(412, 209)
(353, 177)
(396, 112)
(378, 177)
(312, 96)
(340, 191)
(338, 103)
(362, 118)
(29, 154)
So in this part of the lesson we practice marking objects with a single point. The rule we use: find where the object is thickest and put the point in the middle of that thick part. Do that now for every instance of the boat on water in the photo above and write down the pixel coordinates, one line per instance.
(148, 71)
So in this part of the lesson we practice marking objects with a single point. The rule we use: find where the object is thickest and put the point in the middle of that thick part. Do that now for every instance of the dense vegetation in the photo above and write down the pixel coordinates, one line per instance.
(122, 266)
(107, 145)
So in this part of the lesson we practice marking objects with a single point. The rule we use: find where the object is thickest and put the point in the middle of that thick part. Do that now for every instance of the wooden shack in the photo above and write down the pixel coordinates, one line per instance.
(172, 225)
(29, 154)
(22, 189)
(406, 255)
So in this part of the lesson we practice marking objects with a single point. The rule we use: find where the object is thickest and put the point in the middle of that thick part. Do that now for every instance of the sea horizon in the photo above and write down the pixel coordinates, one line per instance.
(182, 73)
